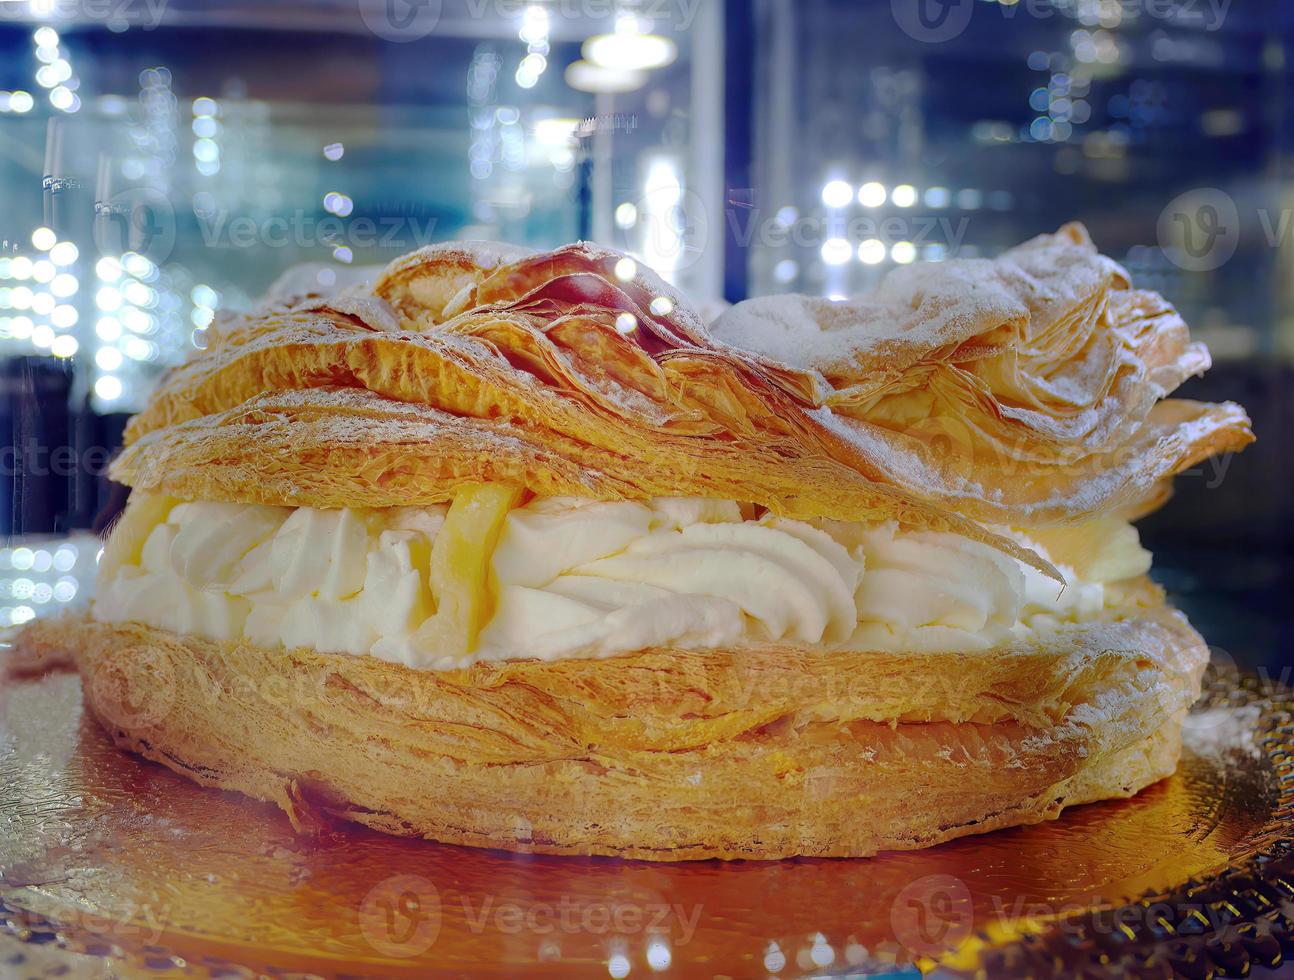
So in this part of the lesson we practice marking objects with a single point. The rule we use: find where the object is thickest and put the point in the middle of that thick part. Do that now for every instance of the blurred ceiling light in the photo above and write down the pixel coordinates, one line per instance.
(108, 388)
(63, 253)
(43, 239)
(871, 194)
(206, 150)
(630, 51)
(556, 131)
(904, 196)
(1222, 122)
(903, 252)
(871, 252)
(836, 251)
(837, 194)
(64, 99)
(339, 204)
(534, 25)
(938, 197)
(584, 76)
(532, 66)
(626, 215)
(108, 358)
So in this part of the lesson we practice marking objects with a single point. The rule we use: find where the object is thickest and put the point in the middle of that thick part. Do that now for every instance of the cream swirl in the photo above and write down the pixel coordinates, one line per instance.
(339, 581)
(594, 579)
(580, 578)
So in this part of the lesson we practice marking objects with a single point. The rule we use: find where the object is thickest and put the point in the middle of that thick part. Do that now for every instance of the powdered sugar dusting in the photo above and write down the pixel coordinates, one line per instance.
(915, 310)
(1222, 731)
(1010, 391)
(484, 254)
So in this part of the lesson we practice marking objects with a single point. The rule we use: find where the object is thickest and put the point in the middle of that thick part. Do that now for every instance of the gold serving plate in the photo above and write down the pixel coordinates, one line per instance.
(116, 865)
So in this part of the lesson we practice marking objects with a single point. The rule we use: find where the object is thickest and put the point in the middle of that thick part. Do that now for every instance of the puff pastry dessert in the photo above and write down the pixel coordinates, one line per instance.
(513, 550)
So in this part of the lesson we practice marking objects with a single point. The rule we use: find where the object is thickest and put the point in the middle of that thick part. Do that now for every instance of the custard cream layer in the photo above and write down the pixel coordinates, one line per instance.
(579, 578)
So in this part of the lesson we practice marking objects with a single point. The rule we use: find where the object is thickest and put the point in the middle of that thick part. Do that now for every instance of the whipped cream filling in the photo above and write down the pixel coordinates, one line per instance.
(581, 578)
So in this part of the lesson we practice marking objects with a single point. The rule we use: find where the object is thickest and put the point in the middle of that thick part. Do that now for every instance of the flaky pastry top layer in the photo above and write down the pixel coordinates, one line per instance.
(1027, 390)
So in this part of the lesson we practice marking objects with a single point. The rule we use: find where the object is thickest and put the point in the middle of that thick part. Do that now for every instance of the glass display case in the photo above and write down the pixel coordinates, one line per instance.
(540, 617)
(157, 174)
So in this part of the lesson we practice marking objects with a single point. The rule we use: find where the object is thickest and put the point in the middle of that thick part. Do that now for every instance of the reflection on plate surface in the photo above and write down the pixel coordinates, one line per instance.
(121, 856)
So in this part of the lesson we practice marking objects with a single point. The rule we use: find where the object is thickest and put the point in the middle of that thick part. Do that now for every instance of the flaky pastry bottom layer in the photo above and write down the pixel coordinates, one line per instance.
(767, 752)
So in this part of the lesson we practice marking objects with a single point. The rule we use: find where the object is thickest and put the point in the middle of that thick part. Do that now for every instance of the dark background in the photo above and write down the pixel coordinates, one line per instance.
(1024, 116)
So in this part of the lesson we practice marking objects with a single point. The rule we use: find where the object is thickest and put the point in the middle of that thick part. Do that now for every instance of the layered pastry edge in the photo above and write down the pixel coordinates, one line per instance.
(515, 552)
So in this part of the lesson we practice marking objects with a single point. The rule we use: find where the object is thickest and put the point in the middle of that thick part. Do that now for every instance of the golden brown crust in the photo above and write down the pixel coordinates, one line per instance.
(1029, 390)
(429, 279)
(664, 754)
(1022, 391)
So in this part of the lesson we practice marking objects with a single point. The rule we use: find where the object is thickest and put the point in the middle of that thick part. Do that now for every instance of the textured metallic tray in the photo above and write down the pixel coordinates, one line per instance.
(109, 862)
